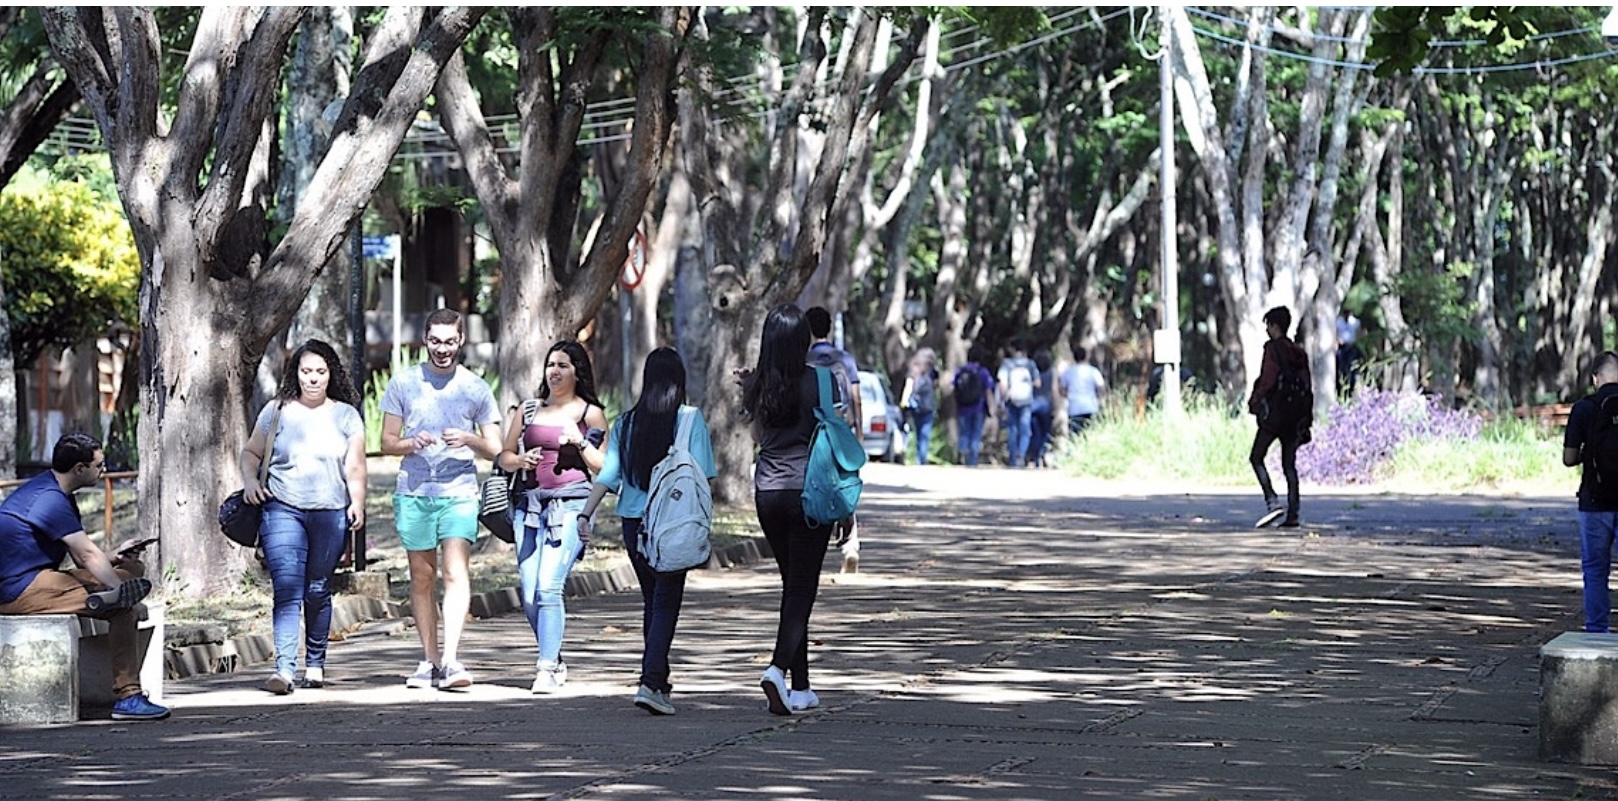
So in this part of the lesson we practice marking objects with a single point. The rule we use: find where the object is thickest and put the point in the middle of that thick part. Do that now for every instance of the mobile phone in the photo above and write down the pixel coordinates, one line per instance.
(139, 544)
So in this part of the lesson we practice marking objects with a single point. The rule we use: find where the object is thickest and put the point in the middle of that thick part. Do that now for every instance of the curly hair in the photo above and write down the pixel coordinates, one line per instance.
(338, 388)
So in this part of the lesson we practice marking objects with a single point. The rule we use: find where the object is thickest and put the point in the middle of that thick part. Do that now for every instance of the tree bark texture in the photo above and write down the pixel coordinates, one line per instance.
(212, 293)
(532, 205)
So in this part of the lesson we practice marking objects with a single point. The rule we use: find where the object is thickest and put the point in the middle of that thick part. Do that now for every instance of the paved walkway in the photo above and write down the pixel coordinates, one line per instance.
(1013, 635)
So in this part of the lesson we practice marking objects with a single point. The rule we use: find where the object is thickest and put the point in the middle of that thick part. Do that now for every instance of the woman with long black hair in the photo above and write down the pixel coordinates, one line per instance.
(779, 397)
(551, 447)
(641, 438)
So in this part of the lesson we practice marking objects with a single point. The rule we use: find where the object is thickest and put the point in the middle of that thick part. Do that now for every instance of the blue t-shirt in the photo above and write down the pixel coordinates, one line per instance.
(33, 521)
(632, 499)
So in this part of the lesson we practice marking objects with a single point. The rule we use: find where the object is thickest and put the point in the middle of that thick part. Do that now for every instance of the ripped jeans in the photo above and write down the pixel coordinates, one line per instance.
(547, 547)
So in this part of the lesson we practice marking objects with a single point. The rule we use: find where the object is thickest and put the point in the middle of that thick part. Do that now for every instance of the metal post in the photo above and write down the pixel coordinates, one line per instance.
(356, 331)
(1169, 338)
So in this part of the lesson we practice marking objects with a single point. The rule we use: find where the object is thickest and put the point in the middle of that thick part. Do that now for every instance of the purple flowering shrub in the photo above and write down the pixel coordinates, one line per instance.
(1359, 436)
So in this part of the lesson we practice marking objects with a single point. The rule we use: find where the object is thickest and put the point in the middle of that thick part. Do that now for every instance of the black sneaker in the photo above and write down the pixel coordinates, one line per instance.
(123, 596)
(1291, 522)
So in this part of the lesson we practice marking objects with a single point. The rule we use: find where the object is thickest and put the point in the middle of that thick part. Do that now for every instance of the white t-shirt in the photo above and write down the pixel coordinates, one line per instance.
(309, 455)
(1082, 384)
(428, 401)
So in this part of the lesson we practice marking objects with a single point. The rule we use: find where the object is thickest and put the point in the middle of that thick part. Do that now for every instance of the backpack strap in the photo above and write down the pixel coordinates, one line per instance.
(682, 436)
(530, 408)
(823, 376)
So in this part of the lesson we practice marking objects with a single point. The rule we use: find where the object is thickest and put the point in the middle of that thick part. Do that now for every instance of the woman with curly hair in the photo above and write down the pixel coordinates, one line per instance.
(314, 496)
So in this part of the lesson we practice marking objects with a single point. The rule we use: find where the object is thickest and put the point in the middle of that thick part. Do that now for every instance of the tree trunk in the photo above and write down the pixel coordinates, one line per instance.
(210, 298)
(544, 297)
(758, 262)
(8, 394)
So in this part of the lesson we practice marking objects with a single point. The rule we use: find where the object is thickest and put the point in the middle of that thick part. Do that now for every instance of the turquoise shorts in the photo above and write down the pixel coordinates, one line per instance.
(425, 521)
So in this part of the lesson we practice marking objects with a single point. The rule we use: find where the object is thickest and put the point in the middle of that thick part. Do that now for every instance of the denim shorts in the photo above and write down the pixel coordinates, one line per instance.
(424, 521)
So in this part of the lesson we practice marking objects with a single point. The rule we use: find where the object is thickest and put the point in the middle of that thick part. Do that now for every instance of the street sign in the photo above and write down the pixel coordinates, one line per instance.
(380, 247)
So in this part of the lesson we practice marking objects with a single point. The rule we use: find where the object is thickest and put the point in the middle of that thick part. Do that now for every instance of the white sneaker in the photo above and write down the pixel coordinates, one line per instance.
(426, 675)
(799, 700)
(775, 690)
(549, 676)
(1269, 518)
(455, 677)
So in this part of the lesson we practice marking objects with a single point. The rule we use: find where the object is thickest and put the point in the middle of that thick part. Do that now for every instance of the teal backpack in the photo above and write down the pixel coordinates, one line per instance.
(831, 483)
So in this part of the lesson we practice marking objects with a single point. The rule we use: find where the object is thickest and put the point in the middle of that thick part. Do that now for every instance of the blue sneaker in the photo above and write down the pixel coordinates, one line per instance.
(137, 707)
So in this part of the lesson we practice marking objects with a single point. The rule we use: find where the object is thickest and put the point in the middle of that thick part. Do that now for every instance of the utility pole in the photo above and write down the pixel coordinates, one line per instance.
(1166, 340)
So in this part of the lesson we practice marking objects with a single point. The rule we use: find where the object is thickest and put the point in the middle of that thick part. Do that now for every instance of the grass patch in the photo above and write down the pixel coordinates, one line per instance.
(1209, 444)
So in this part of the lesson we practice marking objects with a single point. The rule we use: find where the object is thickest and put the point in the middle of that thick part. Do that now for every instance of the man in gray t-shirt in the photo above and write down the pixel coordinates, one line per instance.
(438, 416)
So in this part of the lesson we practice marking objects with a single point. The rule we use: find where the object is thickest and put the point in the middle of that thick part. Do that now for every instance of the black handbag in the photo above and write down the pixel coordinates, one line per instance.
(238, 519)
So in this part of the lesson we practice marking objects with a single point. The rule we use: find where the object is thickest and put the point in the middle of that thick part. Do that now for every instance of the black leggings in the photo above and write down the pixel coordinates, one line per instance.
(1289, 468)
(799, 554)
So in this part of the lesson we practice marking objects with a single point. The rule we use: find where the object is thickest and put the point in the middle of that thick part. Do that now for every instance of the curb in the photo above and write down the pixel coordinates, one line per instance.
(201, 651)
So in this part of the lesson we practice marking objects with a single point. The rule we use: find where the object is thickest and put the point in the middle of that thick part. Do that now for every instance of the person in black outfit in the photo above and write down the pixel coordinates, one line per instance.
(1598, 515)
(1280, 354)
(779, 397)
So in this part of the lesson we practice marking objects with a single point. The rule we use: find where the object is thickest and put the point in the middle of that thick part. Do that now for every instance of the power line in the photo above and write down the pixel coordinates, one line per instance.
(1360, 65)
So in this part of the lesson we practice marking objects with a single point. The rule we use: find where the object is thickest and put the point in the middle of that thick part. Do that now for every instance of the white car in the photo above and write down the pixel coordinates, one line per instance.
(881, 423)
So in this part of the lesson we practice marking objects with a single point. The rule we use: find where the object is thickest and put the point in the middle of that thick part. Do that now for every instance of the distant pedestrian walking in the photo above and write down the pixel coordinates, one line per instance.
(974, 388)
(920, 399)
(1082, 389)
(641, 438)
(1042, 411)
(1019, 378)
(1283, 405)
(1590, 442)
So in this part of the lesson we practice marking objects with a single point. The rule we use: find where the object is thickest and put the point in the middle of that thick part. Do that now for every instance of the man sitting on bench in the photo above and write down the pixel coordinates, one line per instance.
(39, 526)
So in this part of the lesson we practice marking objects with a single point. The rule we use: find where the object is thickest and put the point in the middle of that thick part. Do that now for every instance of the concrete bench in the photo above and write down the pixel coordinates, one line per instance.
(56, 665)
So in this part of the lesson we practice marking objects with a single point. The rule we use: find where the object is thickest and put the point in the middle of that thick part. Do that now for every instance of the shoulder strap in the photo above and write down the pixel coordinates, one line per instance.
(269, 445)
(823, 375)
(682, 436)
(529, 408)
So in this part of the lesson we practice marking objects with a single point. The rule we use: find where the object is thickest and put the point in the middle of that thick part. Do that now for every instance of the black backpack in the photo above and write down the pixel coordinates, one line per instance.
(1601, 453)
(969, 386)
(1291, 402)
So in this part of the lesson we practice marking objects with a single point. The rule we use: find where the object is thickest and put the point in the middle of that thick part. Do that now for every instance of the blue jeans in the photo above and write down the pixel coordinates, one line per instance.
(1019, 429)
(545, 555)
(924, 434)
(301, 549)
(1595, 556)
(661, 595)
(1039, 436)
(970, 423)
